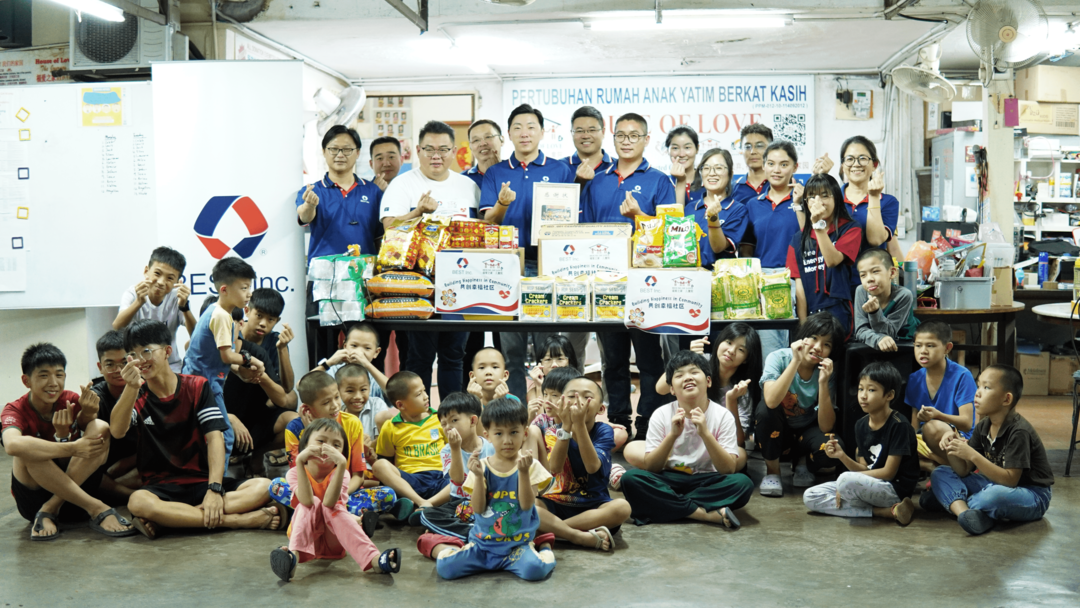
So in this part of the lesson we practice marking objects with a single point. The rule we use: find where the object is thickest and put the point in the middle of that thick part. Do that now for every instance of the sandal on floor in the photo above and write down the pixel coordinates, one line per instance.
(903, 512)
(728, 519)
(771, 486)
(283, 515)
(403, 509)
(143, 526)
(414, 517)
(369, 522)
(95, 525)
(283, 563)
(277, 458)
(600, 541)
(39, 527)
(384, 561)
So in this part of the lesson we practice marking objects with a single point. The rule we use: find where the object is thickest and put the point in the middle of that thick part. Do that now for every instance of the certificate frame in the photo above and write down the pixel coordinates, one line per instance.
(553, 203)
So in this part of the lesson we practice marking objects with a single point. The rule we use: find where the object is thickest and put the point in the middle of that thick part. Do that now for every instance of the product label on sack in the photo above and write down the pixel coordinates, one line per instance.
(668, 301)
(483, 283)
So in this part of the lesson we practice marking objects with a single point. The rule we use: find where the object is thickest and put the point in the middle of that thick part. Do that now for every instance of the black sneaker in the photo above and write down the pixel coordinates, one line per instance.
(929, 503)
(975, 522)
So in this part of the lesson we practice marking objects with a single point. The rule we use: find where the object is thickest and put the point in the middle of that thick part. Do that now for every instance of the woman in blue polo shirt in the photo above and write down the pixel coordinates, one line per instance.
(711, 203)
(876, 213)
(341, 210)
(682, 146)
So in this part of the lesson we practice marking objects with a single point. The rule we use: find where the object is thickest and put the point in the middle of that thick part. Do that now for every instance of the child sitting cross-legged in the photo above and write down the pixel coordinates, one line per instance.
(1013, 477)
(691, 454)
(577, 506)
(321, 527)
(941, 394)
(544, 412)
(882, 479)
(409, 447)
(503, 489)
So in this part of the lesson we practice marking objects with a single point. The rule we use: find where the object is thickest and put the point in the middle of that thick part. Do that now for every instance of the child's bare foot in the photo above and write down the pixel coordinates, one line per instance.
(146, 527)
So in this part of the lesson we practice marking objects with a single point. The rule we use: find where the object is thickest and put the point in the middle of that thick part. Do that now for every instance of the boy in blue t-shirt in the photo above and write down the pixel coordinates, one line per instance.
(211, 353)
(503, 489)
(941, 394)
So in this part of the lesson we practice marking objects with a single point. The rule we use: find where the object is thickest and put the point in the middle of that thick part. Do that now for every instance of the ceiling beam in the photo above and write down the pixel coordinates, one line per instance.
(421, 20)
(138, 11)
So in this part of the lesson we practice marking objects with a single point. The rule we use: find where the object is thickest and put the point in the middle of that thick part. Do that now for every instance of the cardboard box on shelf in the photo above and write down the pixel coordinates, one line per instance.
(1049, 118)
(1036, 372)
(1049, 83)
(585, 231)
(1061, 374)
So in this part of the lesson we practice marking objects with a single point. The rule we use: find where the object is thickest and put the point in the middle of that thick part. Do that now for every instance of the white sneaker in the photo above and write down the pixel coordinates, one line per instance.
(771, 486)
(803, 478)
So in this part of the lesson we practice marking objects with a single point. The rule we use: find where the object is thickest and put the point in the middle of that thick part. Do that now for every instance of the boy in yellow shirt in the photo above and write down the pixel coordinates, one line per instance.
(409, 445)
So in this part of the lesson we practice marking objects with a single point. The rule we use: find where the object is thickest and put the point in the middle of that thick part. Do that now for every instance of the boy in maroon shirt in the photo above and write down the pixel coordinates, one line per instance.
(58, 447)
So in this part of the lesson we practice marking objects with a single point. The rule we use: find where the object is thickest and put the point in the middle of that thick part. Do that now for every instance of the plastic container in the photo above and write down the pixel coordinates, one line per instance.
(964, 293)
(1044, 267)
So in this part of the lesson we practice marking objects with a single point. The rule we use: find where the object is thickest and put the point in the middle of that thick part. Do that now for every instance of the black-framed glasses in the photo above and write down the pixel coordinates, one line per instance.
(433, 152)
(630, 137)
(857, 160)
(345, 151)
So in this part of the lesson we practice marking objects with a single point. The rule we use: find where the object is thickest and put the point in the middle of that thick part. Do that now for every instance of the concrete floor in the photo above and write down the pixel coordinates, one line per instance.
(781, 557)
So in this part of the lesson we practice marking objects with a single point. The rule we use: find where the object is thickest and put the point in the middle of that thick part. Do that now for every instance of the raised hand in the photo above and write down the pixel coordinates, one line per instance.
(585, 171)
(826, 367)
(697, 418)
(534, 408)
(629, 207)
(823, 164)
(338, 357)
(872, 305)
(678, 171)
(427, 204)
(333, 454)
(501, 390)
(524, 461)
(453, 437)
(380, 182)
(698, 346)
(817, 209)
(475, 466)
(799, 351)
(537, 374)
(89, 401)
(877, 183)
(506, 195)
(62, 419)
(310, 197)
(796, 190)
(131, 374)
(677, 421)
(305, 415)
(285, 336)
(142, 291)
(832, 448)
(475, 389)
(739, 389)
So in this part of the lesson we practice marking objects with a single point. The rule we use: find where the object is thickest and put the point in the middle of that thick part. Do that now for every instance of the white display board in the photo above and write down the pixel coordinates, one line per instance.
(668, 300)
(87, 193)
(717, 107)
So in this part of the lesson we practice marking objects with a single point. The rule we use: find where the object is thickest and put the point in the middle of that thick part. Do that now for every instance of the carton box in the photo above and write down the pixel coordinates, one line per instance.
(1036, 372)
(1049, 83)
(569, 258)
(1049, 118)
(1061, 374)
(585, 231)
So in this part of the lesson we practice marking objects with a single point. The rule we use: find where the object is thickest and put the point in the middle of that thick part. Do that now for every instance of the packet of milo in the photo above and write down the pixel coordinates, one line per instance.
(681, 236)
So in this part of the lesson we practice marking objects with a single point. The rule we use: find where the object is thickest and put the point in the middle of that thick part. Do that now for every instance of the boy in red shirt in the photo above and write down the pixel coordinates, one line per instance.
(58, 448)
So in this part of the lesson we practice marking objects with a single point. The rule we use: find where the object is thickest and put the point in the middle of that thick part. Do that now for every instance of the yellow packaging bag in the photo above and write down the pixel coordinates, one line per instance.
(537, 299)
(648, 242)
(609, 297)
(776, 293)
(572, 299)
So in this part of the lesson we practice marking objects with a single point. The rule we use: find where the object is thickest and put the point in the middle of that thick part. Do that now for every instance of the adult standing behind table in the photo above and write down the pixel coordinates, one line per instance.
(341, 210)
(628, 188)
(682, 146)
(875, 212)
(506, 199)
(754, 138)
(433, 188)
(775, 218)
(385, 161)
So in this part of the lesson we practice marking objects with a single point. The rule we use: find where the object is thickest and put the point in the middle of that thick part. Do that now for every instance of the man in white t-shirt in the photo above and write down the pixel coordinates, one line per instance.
(691, 454)
(433, 188)
(160, 297)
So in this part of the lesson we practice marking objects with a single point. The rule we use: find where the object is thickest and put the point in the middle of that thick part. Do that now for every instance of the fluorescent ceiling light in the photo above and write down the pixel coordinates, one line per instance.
(96, 8)
(675, 23)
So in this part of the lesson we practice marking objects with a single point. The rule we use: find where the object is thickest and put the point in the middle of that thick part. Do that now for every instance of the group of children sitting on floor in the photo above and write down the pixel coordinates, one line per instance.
(493, 481)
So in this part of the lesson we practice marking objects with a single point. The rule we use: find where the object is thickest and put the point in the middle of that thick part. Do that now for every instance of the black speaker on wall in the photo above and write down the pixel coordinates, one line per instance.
(15, 25)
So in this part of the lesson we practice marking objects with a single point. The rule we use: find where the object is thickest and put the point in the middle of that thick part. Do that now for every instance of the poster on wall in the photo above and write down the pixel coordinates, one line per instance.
(717, 107)
(249, 210)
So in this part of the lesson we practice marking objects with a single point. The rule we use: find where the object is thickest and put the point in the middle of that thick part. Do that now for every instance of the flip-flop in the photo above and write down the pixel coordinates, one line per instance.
(39, 527)
(414, 517)
(906, 514)
(140, 525)
(384, 561)
(403, 509)
(277, 458)
(283, 515)
(369, 522)
(95, 525)
(728, 515)
(283, 563)
(600, 540)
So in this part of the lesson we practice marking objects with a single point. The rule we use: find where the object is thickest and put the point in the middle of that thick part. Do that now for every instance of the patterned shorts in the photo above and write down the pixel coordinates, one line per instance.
(379, 499)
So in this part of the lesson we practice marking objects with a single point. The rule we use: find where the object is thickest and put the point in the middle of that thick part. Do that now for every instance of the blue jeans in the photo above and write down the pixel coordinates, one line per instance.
(450, 346)
(1002, 503)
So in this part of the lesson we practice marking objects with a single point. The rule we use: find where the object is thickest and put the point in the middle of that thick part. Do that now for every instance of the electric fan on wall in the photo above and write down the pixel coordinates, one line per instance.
(1007, 35)
(923, 80)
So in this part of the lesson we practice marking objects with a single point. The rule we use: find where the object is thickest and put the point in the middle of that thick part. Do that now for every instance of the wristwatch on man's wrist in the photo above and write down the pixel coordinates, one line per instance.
(60, 439)
(247, 357)
(324, 364)
(564, 435)
(216, 489)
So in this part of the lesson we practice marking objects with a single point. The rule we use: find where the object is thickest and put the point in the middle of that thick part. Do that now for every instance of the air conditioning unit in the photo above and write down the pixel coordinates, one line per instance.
(111, 49)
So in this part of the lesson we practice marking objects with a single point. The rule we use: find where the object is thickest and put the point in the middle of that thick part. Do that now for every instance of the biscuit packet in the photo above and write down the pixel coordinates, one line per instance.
(572, 299)
(400, 246)
(648, 241)
(609, 297)
(537, 299)
(681, 240)
(776, 294)
(434, 236)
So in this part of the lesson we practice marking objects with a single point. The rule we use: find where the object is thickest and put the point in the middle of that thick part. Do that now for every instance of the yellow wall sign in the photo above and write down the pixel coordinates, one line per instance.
(102, 106)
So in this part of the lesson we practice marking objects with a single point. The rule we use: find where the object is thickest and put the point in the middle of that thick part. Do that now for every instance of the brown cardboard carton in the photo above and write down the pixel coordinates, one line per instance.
(1050, 118)
(1053, 83)
(1061, 371)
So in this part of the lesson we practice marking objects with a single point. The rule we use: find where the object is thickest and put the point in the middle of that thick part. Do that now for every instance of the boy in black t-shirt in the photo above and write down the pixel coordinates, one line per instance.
(111, 360)
(1014, 478)
(881, 482)
(181, 447)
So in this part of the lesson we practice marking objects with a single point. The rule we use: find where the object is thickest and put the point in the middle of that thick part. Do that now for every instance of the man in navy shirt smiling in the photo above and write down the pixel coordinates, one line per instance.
(485, 143)
(506, 199)
(627, 188)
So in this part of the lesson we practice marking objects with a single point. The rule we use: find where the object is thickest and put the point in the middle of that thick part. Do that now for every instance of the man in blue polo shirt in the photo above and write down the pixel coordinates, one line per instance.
(506, 199)
(627, 188)
(341, 209)
(587, 127)
(753, 139)
(485, 143)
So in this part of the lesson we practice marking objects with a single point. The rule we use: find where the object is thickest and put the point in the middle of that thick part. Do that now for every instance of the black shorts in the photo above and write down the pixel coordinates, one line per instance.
(29, 502)
(189, 493)
(564, 511)
(260, 423)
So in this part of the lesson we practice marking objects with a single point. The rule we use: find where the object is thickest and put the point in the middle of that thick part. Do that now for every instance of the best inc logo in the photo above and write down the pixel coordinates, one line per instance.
(215, 209)
(650, 281)
(462, 263)
(568, 250)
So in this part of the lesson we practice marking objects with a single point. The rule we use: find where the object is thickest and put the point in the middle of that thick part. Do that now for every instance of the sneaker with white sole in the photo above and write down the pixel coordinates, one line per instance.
(803, 478)
(771, 486)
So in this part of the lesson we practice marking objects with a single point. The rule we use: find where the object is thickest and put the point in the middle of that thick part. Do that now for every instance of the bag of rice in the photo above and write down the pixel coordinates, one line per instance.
(743, 295)
(400, 283)
(609, 297)
(776, 293)
(572, 299)
(537, 299)
(400, 308)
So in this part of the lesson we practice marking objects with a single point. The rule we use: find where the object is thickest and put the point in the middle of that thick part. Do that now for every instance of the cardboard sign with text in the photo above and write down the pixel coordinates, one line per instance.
(569, 258)
(477, 282)
(668, 300)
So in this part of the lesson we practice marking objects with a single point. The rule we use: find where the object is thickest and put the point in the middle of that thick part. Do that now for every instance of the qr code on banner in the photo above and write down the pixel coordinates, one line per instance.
(791, 127)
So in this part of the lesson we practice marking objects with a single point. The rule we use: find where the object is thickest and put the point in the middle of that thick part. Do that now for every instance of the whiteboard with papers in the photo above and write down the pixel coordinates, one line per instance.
(77, 200)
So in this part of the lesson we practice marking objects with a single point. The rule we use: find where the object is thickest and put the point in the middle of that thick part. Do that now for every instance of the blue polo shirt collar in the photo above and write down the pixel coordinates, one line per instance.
(474, 170)
(760, 189)
(576, 160)
(329, 183)
(701, 203)
(764, 196)
(849, 202)
(644, 166)
(539, 160)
